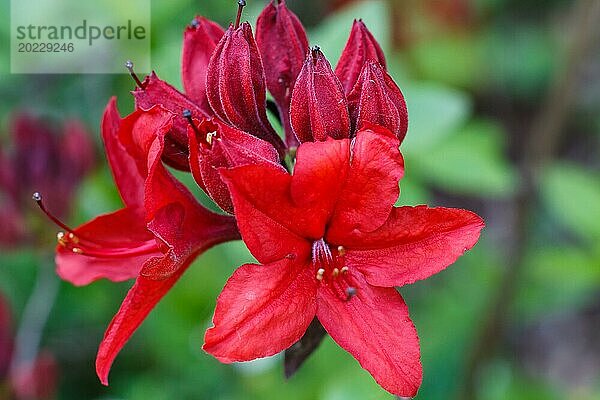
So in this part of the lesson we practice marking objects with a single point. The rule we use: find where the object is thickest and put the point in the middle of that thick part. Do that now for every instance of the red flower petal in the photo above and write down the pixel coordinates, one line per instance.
(415, 243)
(236, 85)
(264, 210)
(126, 230)
(318, 108)
(371, 187)
(199, 42)
(172, 212)
(217, 145)
(361, 46)
(262, 310)
(126, 175)
(319, 176)
(374, 326)
(157, 92)
(283, 46)
(376, 99)
(140, 300)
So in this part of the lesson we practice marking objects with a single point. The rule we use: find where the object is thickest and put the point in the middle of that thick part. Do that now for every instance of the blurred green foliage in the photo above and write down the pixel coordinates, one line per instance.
(468, 90)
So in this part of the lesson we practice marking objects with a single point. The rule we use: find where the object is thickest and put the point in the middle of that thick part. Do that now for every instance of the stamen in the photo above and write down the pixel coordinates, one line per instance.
(335, 272)
(72, 235)
(350, 292)
(320, 273)
(210, 136)
(341, 250)
(145, 248)
(129, 66)
(344, 270)
(60, 238)
(38, 199)
(241, 5)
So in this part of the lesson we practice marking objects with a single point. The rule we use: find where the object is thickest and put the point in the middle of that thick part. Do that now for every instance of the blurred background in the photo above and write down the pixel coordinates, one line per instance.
(504, 101)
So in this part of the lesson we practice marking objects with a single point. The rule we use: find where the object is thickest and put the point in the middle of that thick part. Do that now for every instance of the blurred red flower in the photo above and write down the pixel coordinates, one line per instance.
(32, 380)
(41, 157)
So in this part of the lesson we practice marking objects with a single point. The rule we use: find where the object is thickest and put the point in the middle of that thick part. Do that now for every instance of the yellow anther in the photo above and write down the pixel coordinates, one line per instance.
(60, 237)
(77, 250)
(344, 270)
(73, 238)
(210, 136)
(320, 273)
(341, 250)
(336, 272)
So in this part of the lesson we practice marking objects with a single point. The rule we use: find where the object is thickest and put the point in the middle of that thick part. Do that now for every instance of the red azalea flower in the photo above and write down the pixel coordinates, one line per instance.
(333, 246)
(331, 243)
(161, 230)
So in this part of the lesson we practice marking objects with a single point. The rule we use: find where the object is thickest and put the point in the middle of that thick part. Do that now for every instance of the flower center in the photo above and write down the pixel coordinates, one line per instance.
(95, 247)
(331, 270)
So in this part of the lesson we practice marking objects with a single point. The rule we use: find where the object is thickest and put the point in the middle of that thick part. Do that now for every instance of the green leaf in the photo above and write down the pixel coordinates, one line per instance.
(557, 279)
(434, 112)
(437, 60)
(572, 196)
(470, 161)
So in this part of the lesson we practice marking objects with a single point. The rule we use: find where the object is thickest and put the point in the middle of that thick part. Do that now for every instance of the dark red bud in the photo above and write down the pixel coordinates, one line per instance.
(157, 91)
(199, 41)
(318, 108)
(214, 145)
(36, 152)
(236, 87)
(77, 152)
(361, 46)
(283, 46)
(376, 99)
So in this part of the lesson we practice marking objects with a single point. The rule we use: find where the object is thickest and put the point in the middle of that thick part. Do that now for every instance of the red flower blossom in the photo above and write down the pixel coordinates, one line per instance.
(154, 238)
(330, 242)
(332, 245)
